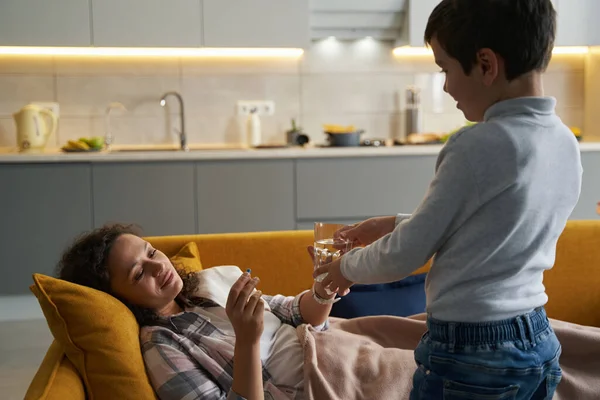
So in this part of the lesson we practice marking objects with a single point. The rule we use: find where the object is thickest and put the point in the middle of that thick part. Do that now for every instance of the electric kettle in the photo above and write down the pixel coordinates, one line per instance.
(35, 125)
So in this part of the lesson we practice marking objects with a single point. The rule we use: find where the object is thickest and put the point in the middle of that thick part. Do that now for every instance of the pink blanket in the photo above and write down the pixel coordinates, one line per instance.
(372, 358)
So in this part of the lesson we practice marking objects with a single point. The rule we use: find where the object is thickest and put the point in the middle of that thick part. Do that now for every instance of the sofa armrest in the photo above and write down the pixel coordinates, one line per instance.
(56, 378)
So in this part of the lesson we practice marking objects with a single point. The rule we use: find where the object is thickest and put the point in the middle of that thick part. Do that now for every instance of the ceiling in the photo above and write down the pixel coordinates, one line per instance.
(355, 19)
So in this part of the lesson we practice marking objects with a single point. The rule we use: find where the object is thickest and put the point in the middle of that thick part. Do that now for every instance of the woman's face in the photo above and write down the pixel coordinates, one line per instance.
(141, 274)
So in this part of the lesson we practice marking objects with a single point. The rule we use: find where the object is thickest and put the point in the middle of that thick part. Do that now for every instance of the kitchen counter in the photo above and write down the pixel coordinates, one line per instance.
(158, 153)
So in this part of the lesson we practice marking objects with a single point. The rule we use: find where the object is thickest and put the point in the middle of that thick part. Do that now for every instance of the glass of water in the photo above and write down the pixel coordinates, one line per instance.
(328, 249)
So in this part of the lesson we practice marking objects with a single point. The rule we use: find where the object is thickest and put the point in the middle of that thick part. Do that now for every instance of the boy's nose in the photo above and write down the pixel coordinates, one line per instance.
(446, 85)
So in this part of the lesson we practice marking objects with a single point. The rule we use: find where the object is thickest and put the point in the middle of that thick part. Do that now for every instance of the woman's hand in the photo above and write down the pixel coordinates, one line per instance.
(366, 232)
(246, 313)
(246, 310)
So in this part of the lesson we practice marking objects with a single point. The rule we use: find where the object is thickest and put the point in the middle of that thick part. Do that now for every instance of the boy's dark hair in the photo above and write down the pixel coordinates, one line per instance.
(521, 31)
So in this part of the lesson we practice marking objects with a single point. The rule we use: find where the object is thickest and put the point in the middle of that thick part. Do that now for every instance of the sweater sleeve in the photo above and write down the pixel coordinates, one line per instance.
(417, 237)
(400, 218)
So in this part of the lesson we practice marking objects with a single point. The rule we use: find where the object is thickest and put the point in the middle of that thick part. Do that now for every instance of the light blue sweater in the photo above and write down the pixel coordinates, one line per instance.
(501, 196)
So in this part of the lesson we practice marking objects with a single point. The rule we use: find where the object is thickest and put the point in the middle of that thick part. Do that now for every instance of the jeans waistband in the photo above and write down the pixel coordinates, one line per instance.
(524, 327)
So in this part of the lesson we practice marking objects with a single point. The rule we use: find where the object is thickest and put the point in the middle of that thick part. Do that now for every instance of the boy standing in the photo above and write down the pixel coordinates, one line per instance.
(501, 196)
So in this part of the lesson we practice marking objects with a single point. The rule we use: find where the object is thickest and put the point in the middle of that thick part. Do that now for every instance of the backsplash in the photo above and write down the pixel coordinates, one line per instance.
(358, 83)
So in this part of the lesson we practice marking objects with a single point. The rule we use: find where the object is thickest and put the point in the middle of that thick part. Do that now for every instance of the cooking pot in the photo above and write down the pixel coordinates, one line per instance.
(344, 139)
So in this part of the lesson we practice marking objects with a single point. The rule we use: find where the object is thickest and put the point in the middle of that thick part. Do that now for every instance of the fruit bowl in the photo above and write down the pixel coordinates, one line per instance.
(84, 145)
(71, 150)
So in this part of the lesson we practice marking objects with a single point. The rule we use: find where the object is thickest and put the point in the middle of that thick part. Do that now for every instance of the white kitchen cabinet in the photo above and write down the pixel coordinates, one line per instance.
(256, 23)
(571, 29)
(45, 23)
(147, 23)
(577, 22)
(592, 23)
(418, 15)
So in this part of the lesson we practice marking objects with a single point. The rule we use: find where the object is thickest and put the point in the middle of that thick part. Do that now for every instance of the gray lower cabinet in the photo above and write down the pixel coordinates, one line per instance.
(245, 196)
(44, 207)
(353, 189)
(590, 187)
(159, 197)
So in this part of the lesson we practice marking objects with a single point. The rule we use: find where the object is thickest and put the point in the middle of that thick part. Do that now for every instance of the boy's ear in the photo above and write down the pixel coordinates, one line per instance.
(489, 63)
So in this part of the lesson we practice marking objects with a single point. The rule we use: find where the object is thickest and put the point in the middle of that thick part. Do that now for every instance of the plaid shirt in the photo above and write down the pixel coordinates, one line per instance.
(187, 357)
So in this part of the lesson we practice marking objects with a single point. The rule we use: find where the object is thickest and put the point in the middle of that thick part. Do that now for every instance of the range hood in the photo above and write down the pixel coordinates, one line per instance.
(356, 19)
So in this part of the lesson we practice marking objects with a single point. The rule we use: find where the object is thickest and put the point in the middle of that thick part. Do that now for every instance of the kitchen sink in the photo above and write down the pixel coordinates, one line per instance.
(132, 150)
(137, 149)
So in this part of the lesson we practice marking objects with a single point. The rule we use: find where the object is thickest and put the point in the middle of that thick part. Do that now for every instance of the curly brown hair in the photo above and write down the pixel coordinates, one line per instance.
(85, 263)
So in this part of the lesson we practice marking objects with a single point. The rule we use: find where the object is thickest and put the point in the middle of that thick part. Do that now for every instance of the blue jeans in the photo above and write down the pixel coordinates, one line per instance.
(514, 359)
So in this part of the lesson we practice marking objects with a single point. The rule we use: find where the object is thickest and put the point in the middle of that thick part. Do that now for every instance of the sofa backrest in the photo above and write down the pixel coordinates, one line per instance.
(282, 262)
(572, 284)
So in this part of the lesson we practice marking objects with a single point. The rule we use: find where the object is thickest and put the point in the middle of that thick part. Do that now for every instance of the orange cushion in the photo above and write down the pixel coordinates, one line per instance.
(99, 334)
(188, 258)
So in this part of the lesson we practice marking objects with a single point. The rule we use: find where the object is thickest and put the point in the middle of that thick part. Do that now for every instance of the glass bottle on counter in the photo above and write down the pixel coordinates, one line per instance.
(413, 118)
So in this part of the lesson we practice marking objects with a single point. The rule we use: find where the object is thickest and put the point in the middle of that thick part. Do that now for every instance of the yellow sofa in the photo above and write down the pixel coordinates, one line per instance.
(281, 261)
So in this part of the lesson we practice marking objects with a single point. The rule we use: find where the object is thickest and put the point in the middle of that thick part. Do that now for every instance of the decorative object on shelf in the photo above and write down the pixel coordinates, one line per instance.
(295, 136)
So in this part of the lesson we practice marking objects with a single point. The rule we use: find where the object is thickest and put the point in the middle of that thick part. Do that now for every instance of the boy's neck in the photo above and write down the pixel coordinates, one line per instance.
(528, 85)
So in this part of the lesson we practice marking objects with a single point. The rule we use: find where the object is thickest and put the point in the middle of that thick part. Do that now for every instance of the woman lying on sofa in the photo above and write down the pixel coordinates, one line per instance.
(207, 335)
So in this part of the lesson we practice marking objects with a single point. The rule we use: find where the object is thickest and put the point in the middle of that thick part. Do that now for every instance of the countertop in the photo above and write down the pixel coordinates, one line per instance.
(167, 153)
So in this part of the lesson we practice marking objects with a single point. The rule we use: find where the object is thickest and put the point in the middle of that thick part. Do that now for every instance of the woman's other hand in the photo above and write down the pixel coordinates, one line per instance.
(246, 309)
(366, 232)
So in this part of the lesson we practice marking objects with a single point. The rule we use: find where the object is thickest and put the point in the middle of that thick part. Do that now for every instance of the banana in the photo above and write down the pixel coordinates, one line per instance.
(84, 144)
(85, 140)
(76, 145)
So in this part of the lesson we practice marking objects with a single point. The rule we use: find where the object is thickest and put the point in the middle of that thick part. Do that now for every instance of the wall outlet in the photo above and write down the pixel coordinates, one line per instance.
(263, 107)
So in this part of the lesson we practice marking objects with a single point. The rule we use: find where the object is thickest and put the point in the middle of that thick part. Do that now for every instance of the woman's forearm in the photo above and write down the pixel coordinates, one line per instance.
(312, 312)
(247, 370)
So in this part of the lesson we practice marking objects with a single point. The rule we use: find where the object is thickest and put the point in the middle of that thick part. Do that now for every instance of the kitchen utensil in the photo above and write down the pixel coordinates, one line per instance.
(35, 125)
(413, 110)
(297, 138)
(373, 142)
(348, 139)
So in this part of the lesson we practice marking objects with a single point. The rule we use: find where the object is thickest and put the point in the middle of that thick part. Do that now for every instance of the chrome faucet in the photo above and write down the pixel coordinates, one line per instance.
(108, 136)
(182, 134)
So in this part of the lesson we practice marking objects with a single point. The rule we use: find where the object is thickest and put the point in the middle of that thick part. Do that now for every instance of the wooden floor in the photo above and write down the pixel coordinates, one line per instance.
(23, 345)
